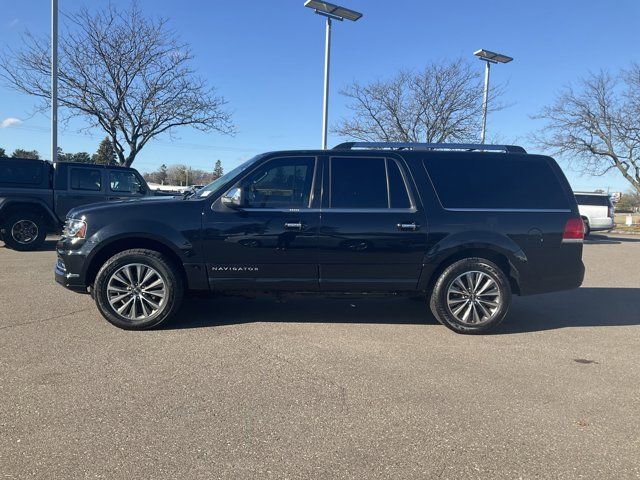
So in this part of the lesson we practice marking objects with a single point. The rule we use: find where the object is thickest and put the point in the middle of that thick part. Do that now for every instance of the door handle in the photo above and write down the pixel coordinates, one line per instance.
(412, 227)
(293, 225)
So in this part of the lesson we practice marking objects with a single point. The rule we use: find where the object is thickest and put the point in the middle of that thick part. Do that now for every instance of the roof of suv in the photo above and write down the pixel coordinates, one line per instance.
(404, 147)
(462, 147)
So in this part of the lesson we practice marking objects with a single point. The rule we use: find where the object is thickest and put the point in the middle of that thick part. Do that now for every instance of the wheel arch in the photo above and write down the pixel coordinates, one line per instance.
(500, 258)
(10, 207)
(110, 249)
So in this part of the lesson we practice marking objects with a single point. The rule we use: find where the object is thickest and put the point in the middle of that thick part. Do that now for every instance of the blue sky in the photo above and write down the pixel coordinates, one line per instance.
(266, 58)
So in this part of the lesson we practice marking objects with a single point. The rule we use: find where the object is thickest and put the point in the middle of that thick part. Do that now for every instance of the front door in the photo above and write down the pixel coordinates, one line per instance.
(270, 242)
(373, 232)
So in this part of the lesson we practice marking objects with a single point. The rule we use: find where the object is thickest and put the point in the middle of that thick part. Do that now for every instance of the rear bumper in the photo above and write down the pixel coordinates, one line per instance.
(599, 224)
(556, 281)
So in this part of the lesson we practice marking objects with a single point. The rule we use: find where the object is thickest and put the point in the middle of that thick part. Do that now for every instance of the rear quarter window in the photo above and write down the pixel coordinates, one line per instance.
(486, 181)
(593, 200)
(20, 172)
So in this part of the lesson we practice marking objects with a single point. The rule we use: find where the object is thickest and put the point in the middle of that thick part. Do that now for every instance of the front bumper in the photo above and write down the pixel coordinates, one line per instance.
(67, 279)
(70, 265)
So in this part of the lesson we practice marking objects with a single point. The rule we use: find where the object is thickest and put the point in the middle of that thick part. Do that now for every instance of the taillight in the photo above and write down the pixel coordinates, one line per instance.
(611, 212)
(573, 231)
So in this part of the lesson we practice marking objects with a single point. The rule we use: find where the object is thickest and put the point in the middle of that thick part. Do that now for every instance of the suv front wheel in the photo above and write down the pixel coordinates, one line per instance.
(471, 296)
(138, 289)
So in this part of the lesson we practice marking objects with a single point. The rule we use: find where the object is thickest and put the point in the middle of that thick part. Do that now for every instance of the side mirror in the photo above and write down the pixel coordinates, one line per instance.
(233, 198)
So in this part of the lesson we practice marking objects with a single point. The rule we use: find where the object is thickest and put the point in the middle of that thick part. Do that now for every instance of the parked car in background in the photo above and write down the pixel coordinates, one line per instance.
(596, 210)
(35, 196)
(462, 226)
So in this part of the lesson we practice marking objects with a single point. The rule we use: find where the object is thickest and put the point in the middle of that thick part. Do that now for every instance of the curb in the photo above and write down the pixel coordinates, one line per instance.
(624, 232)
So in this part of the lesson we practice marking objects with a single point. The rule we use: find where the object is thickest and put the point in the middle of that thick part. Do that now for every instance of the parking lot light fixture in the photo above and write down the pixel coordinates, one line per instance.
(488, 57)
(331, 12)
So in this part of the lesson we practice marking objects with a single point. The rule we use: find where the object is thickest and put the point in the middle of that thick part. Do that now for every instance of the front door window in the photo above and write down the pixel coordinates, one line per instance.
(282, 183)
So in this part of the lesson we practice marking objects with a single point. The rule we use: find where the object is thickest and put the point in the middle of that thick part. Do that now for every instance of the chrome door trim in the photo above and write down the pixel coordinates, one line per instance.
(521, 210)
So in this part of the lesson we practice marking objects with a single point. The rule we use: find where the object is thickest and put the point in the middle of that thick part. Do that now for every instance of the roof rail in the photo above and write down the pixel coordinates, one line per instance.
(430, 146)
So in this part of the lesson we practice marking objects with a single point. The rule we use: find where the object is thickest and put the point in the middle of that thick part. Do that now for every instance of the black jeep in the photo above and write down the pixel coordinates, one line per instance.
(463, 226)
(35, 195)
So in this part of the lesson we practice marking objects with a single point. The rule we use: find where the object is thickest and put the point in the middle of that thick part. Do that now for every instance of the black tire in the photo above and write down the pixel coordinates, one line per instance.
(444, 313)
(154, 261)
(587, 228)
(24, 231)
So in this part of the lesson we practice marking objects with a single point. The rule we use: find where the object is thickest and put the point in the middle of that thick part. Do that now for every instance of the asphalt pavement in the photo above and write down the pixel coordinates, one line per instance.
(312, 388)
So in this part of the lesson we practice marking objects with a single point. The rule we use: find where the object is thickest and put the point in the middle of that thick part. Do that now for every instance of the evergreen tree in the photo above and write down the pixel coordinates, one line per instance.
(2, 152)
(106, 154)
(20, 153)
(217, 170)
(80, 157)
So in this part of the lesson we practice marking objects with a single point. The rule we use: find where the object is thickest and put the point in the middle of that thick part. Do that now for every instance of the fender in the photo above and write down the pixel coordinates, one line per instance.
(145, 229)
(8, 202)
(484, 240)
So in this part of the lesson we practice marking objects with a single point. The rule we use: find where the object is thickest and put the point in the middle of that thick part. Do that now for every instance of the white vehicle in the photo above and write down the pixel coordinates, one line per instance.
(596, 211)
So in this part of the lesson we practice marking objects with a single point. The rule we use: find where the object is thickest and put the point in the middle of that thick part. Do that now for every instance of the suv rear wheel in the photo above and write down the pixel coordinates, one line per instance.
(24, 231)
(138, 289)
(472, 295)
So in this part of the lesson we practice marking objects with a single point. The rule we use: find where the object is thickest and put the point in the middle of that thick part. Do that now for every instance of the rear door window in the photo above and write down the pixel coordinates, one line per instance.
(88, 179)
(358, 183)
(367, 182)
(398, 192)
(486, 181)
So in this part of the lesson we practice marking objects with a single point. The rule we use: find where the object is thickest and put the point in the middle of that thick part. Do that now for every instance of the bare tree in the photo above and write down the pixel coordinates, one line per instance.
(441, 103)
(124, 73)
(596, 125)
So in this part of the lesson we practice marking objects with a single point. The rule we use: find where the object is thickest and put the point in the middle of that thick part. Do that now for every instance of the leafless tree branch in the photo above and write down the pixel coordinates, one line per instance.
(441, 103)
(124, 73)
(596, 125)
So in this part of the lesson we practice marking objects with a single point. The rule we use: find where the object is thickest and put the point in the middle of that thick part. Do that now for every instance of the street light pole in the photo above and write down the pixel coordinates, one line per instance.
(485, 100)
(54, 81)
(488, 57)
(331, 12)
(325, 101)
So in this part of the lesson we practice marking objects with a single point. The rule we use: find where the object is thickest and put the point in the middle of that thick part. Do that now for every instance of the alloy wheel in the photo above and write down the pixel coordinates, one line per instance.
(24, 231)
(473, 298)
(136, 292)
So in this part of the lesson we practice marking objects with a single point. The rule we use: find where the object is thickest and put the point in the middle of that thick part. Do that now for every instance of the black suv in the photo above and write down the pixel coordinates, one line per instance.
(462, 226)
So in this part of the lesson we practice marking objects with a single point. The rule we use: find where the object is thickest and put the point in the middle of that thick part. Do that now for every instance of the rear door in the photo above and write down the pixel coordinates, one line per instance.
(373, 232)
(84, 185)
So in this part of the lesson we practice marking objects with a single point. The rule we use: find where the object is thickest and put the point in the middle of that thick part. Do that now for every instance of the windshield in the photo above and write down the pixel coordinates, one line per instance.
(219, 182)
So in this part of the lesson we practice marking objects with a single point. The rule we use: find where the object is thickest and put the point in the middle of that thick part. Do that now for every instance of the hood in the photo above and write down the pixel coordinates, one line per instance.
(133, 204)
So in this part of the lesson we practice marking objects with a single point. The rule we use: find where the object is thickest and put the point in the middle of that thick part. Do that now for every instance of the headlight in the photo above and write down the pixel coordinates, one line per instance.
(74, 228)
